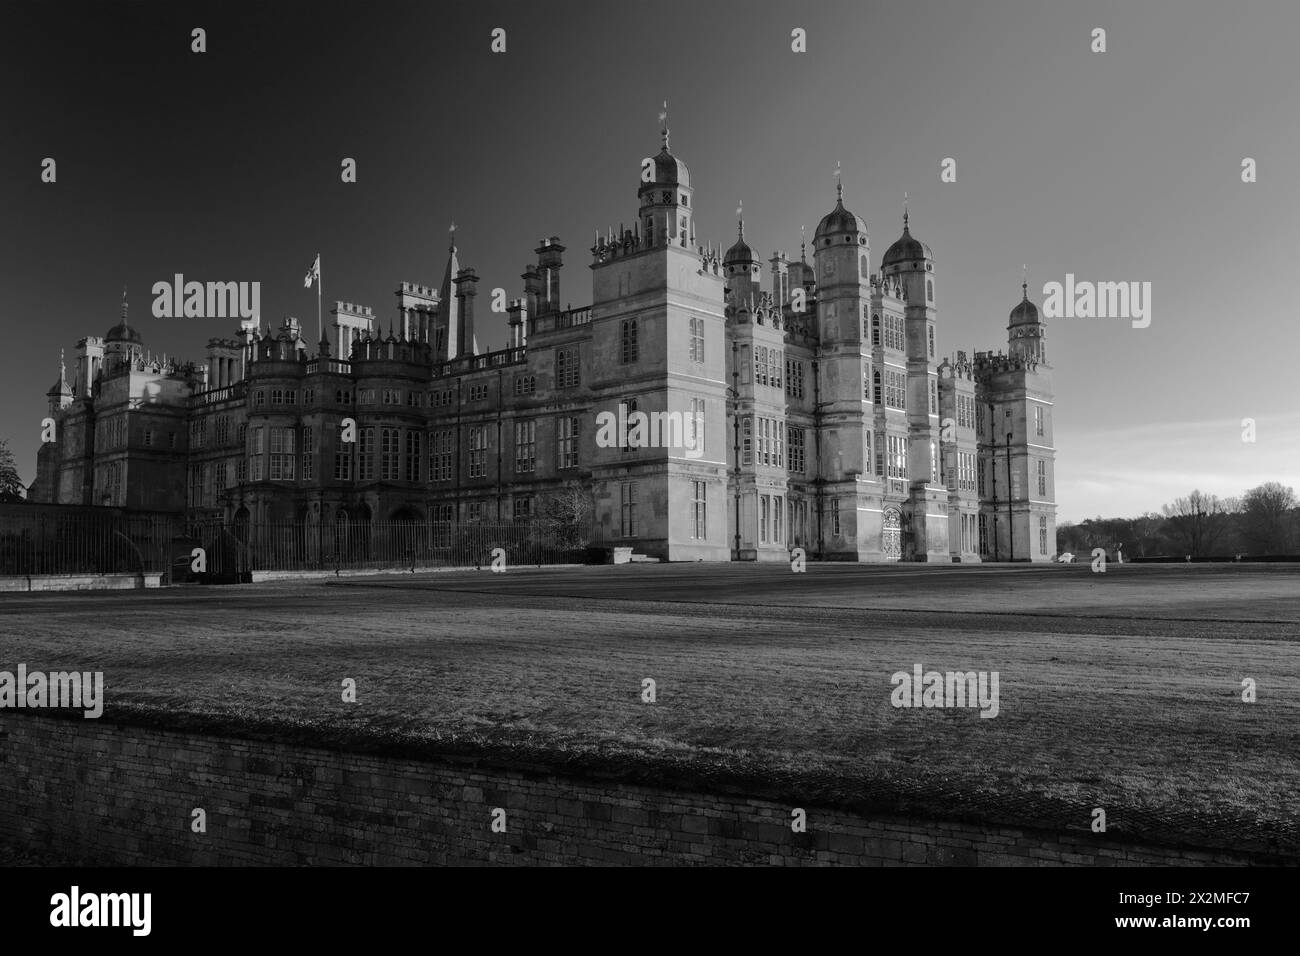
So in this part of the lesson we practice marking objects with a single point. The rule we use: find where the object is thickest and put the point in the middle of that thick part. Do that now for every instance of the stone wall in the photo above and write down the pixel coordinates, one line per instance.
(96, 792)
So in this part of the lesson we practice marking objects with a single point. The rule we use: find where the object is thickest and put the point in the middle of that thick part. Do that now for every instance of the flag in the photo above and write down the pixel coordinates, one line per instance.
(312, 274)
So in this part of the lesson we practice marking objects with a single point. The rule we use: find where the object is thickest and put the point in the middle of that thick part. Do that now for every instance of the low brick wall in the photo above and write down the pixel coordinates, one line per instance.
(99, 792)
(80, 582)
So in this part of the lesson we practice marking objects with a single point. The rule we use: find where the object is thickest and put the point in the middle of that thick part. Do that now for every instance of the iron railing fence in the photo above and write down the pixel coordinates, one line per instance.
(48, 541)
(73, 540)
(383, 545)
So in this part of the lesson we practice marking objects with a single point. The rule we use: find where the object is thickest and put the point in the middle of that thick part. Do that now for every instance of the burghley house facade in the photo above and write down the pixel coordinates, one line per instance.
(811, 406)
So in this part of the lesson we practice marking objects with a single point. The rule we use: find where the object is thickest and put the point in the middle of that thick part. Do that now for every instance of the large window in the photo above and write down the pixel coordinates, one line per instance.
(441, 454)
(478, 442)
(895, 389)
(342, 457)
(1042, 478)
(308, 453)
(630, 350)
(699, 512)
(965, 411)
(796, 450)
(697, 340)
(390, 443)
(778, 522)
(1042, 535)
(566, 367)
(984, 534)
(413, 453)
(894, 338)
(897, 456)
(282, 454)
(794, 378)
(747, 440)
(366, 454)
(695, 429)
(764, 507)
(1038, 420)
(255, 452)
(568, 441)
(628, 512)
(525, 447)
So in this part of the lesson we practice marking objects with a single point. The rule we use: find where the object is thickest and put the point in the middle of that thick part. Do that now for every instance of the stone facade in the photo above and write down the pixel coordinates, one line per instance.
(809, 410)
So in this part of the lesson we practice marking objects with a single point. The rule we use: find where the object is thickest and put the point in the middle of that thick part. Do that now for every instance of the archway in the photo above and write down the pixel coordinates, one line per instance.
(891, 535)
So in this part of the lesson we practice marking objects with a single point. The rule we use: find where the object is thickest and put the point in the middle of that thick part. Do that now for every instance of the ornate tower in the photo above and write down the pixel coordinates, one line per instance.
(910, 263)
(665, 215)
(1025, 330)
(848, 506)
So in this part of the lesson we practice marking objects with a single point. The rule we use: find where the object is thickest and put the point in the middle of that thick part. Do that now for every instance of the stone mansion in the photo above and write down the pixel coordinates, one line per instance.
(818, 413)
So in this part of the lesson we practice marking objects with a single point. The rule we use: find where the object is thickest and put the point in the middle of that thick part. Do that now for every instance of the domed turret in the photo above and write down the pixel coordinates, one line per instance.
(839, 221)
(739, 253)
(123, 332)
(669, 170)
(665, 199)
(1025, 312)
(906, 249)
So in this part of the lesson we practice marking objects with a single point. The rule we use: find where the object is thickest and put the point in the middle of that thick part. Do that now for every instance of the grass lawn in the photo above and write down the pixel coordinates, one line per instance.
(1120, 691)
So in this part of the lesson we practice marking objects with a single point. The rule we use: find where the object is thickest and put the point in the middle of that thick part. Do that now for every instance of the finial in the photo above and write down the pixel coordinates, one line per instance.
(904, 212)
(740, 215)
(663, 123)
(1024, 281)
(839, 183)
(803, 257)
(452, 232)
(124, 303)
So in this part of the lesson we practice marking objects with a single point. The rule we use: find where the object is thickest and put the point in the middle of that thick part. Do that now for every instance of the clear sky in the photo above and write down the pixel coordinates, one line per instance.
(1115, 166)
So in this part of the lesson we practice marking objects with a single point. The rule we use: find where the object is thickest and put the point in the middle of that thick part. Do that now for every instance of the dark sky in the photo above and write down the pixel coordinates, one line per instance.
(1115, 167)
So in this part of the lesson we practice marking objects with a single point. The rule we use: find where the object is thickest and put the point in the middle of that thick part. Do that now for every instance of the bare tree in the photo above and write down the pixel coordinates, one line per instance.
(566, 514)
(1267, 518)
(1198, 521)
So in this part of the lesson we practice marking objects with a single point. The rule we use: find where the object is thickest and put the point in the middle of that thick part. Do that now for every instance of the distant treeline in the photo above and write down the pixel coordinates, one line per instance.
(1265, 521)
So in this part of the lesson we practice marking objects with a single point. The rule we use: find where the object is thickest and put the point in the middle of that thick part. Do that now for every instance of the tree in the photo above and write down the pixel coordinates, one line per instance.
(1197, 523)
(1267, 518)
(11, 486)
(566, 514)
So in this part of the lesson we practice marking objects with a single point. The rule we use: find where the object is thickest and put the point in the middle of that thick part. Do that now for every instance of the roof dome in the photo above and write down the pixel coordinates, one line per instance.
(1025, 312)
(123, 333)
(906, 249)
(669, 170)
(839, 219)
(740, 252)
